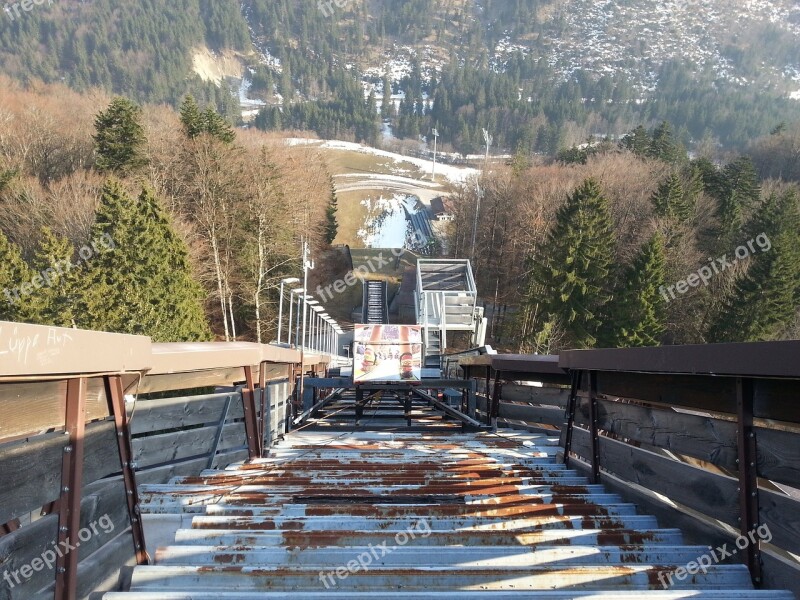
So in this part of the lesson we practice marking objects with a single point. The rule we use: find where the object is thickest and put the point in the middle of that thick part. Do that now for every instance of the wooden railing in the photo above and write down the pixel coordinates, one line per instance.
(706, 437)
(75, 442)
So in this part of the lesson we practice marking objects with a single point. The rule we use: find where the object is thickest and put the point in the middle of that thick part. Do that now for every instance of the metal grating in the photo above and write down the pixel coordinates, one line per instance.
(428, 514)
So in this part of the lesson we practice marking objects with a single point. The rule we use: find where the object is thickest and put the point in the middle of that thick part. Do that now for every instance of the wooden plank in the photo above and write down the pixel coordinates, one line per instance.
(690, 391)
(779, 456)
(782, 514)
(164, 473)
(33, 408)
(226, 458)
(233, 436)
(30, 471)
(711, 494)
(548, 396)
(780, 573)
(711, 440)
(532, 414)
(105, 509)
(176, 413)
(172, 447)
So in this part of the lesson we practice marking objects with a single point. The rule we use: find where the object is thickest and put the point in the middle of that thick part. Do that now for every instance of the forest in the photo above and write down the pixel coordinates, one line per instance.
(588, 251)
(142, 219)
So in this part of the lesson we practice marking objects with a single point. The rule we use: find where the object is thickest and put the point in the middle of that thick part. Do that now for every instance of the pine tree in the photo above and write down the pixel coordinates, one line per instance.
(638, 311)
(764, 300)
(144, 285)
(331, 225)
(15, 303)
(58, 299)
(191, 118)
(571, 274)
(663, 145)
(670, 199)
(215, 125)
(120, 138)
(637, 141)
(737, 193)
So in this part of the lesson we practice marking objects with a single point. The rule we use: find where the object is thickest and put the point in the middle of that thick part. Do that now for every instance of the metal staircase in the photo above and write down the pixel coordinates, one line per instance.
(430, 515)
(375, 304)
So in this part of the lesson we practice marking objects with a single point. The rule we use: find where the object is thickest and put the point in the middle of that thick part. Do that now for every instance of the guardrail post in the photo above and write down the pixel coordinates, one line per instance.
(116, 398)
(494, 413)
(748, 474)
(250, 415)
(69, 512)
(571, 404)
(594, 435)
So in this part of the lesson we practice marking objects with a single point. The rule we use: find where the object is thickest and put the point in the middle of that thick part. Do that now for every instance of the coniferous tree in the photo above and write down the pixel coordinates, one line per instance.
(571, 276)
(737, 191)
(387, 106)
(331, 225)
(638, 310)
(663, 145)
(191, 118)
(764, 300)
(142, 284)
(15, 305)
(215, 125)
(119, 138)
(670, 199)
(58, 299)
(637, 141)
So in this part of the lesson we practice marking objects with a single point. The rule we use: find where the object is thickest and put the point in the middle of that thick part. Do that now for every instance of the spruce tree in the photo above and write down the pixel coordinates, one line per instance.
(216, 126)
(670, 199)
(387, 106)
(738, 191)
(331, 225)
(191, 118)
(663, 145)
(15, 305)
(144, 284)
(58, 299)
(119, 138)
(764, 301)
(571, 273)
(638, 310)
(637, 141)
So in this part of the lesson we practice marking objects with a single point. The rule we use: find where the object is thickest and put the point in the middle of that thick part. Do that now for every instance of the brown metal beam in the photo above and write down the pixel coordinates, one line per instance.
(571, 406)
(748, 475)
(595, 436)
(69, 514)
(116, 400)
(250, 415)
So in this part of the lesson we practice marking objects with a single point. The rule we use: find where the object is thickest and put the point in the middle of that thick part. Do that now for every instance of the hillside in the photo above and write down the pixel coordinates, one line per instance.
(540, 75)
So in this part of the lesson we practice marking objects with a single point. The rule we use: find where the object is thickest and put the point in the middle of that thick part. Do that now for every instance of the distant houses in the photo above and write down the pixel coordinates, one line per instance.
(441, 209)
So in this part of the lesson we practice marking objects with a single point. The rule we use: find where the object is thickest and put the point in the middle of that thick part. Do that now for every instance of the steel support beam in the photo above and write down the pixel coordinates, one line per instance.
(69, 514)
(116, 398)
(595, 436)
(250, 415)
(748, 474)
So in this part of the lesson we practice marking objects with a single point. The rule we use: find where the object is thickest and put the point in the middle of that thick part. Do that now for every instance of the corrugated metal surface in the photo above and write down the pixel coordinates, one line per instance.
(394, 514)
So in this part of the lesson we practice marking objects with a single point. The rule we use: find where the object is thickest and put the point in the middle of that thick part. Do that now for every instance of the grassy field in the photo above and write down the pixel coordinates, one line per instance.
(346, 161)
(351, 215)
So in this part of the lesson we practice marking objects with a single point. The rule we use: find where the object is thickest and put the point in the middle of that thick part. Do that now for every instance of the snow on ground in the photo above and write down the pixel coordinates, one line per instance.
(386, 225)
(453, 173)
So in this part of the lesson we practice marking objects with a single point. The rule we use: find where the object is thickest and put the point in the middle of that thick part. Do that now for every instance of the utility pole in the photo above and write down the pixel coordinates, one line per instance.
(435, 133)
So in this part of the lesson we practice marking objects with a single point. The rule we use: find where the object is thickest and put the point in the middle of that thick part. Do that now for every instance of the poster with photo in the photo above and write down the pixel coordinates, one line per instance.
(383, 353)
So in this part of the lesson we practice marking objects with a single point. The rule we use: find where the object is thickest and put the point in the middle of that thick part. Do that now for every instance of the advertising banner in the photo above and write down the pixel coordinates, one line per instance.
(386, 353)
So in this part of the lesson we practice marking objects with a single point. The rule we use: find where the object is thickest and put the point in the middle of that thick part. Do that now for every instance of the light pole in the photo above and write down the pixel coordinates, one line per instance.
(308, 313)
(291, 308)
(307, 264)
(323, 331)
(288, 280)
(478, 196)
(435, 133)
(317, 309)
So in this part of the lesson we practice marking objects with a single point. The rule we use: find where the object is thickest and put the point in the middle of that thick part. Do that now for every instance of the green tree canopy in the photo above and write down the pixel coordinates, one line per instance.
(119, 138)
